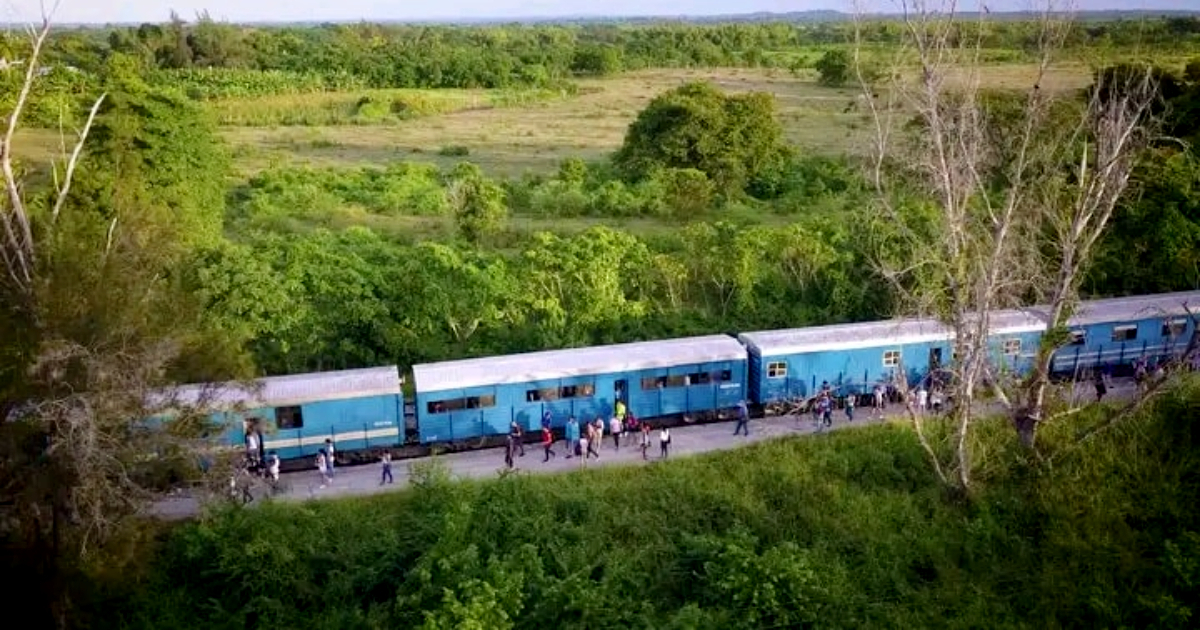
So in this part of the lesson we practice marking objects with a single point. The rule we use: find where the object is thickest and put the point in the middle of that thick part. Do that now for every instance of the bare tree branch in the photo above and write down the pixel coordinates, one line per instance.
(81, 138)
(19, 253)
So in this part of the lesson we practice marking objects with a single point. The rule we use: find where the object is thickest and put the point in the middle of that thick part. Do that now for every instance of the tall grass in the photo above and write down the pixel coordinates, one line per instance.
(365, 107)
(845, 530)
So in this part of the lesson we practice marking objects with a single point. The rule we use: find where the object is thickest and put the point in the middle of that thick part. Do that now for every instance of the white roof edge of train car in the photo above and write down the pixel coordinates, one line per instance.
(574, 362)
(284, 391)
(773, 343)
(1135, 308)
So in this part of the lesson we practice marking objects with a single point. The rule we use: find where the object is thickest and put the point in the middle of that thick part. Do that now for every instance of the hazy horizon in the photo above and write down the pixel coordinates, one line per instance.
(120, 11)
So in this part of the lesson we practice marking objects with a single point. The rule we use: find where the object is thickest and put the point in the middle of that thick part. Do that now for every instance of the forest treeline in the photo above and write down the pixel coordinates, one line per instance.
(747, 233)
(208, 58)
(792, 243)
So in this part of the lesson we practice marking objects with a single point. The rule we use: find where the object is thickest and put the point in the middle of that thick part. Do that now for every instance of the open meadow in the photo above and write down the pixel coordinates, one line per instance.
(538, 133)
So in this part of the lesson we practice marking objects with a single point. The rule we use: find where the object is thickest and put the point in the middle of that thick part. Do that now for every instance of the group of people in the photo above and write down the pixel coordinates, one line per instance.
(583, 441)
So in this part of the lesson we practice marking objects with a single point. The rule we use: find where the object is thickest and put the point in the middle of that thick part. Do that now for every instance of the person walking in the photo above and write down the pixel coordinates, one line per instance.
(386, 462)
(1101, 386)
(509, 447)
(850, 401)
(616, 429)
(547, 443)
(599, 436)
(664, 442)
(330, 457)
(323, 467)
(593, 439)
(572, 435)
(743, 421)
(273, 465)
(645, 437)
(517, 434)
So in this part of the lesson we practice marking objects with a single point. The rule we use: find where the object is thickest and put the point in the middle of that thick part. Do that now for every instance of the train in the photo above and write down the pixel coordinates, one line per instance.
(472, 403)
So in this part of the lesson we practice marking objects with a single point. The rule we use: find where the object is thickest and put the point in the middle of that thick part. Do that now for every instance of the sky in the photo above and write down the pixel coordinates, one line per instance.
(107, 11)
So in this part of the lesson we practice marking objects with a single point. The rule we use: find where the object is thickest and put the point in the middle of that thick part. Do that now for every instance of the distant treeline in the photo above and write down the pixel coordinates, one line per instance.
(537, 55)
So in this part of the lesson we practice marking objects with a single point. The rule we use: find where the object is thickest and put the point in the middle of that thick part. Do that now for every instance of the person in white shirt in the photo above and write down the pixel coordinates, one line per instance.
(664, 442)
(614, 427)
(273, 467)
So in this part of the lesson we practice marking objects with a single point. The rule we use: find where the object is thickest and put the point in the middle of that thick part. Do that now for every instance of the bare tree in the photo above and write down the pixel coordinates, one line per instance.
(969, 181)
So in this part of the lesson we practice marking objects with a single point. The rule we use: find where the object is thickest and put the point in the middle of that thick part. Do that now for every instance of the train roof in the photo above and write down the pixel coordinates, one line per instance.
(572, 362)
(1128, 309)
(283, 391)
(894, 332)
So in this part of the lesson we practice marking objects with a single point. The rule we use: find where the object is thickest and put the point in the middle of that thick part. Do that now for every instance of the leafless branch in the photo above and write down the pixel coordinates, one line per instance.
(81, 137)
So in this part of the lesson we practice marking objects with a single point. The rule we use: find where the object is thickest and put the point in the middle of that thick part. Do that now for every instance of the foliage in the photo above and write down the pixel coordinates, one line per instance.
(834, 68)
(730, 139)
(477, 203)
(495, 56)
(1154, 244)
(844, 530)
(152, 150)
(96, 326)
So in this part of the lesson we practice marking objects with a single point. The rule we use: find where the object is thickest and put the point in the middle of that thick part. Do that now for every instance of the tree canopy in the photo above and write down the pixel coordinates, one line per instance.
(732, 139)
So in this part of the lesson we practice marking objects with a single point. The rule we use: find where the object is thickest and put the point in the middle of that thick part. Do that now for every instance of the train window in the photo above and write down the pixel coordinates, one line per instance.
(481, 402)
(700, 378)
(891, 358)
(583, 390)
(726, 375)
(1078, 337)
(1174, 328)
(1012, 346)
(677, 380)
(1124, 333)
(649, 383)
(459, 404)
(777, 369)
(289, 418)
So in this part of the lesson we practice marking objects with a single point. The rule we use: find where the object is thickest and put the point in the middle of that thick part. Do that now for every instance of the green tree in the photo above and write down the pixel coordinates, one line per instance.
(152, 150)
(95, 321)
(477, 201)
(1191, 72)
(597, 60)
(730, 138)
(834, 68)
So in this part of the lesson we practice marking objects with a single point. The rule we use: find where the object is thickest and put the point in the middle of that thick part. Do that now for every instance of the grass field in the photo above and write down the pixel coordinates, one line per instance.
(536, 137)
(366, 107)
(509, 133)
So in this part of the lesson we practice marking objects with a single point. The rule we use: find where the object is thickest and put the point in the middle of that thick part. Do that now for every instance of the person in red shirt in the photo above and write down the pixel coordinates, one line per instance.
(547, 442)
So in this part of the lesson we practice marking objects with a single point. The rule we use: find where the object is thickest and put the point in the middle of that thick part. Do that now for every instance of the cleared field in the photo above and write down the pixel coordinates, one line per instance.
(513, 133)
(537, 136)
(365, 107)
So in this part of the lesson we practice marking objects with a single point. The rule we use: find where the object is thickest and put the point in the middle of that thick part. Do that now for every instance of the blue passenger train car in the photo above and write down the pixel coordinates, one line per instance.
(357, 409)
(852, 358)
(473, 398)
(1115, 332)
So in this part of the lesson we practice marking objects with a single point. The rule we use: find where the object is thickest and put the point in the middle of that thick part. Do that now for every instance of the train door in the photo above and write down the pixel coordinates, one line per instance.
(935, 367)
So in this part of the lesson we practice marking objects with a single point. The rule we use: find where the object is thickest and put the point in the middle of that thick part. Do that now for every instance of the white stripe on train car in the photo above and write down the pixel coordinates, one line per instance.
(348, 436)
